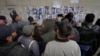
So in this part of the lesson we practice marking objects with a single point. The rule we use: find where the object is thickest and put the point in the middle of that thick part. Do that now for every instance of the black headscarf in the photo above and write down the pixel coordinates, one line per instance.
(13, 15)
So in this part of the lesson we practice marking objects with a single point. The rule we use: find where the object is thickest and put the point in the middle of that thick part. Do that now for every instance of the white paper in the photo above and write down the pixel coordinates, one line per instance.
(74, 1)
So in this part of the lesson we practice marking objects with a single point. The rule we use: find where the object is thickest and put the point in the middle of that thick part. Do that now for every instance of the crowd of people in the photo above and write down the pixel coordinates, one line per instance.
(70, 38)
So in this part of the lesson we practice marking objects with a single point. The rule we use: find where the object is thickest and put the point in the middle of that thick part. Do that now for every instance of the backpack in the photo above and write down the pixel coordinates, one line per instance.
(29, 50)
(18, 50)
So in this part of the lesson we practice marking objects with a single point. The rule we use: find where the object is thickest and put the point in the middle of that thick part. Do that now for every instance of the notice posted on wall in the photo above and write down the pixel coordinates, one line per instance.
(47, 12)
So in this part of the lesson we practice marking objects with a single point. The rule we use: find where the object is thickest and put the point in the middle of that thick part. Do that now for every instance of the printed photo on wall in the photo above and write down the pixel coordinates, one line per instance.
(34, 10)
(65, 10)
(47, 9)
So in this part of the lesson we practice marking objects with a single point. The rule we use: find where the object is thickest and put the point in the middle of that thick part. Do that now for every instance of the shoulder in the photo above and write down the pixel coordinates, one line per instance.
(97, 27)
(33, 43)
(18, 50)
(17, 46)
(21, 38)
(21, 51)
(51, 43)
(12, 24)
(72, 42)
(74, 30)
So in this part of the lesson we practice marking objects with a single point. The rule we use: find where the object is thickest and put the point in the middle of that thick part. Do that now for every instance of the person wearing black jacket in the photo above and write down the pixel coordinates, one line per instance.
(89, 35)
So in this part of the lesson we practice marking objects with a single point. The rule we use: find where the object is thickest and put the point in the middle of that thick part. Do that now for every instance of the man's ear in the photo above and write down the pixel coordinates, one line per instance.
(9, 39)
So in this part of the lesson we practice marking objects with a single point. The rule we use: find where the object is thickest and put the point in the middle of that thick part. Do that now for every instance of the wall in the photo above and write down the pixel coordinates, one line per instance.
(19, 5)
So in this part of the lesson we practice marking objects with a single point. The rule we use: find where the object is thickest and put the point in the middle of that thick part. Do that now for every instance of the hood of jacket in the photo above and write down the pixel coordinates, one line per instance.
(90, 26)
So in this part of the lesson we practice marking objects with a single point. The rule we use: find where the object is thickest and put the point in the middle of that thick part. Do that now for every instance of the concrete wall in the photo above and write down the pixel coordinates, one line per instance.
(92, 6)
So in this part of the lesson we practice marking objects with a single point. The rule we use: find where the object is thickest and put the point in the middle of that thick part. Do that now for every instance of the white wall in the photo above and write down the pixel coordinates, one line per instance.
(92, 6)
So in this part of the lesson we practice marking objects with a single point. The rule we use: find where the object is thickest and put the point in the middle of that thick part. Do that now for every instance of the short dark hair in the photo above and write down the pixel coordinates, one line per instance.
(89, 18)
(30, 19)
(2, 17)
(64, 29)
(69, 16)
(60, 15)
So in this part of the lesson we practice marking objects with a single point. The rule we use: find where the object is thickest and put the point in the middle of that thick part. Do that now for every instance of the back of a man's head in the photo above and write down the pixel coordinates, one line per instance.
(30, 19)
(64, 29)
(89, 18)
(28, 30)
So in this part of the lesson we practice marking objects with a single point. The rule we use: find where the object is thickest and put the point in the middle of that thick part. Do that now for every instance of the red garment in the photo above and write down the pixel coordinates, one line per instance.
(70, 37)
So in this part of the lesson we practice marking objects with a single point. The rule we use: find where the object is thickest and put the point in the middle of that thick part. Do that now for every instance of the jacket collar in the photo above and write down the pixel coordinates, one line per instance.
(61, 40)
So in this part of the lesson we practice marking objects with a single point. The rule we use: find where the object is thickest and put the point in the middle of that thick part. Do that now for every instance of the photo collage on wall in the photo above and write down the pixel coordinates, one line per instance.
(47, 12)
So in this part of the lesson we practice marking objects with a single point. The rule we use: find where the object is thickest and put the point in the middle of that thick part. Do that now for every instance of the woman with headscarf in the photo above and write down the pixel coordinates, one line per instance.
(15, 19)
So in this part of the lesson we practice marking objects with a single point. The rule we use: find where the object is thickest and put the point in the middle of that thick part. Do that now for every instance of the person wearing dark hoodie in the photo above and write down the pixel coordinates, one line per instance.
(7, 46)
(75, 33)
(89, 35)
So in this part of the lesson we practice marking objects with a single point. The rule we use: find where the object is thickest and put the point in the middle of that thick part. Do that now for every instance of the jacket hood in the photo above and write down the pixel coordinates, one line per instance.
(90, 26)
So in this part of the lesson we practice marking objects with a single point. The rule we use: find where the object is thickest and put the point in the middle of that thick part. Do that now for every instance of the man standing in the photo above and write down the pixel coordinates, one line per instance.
(62, 46)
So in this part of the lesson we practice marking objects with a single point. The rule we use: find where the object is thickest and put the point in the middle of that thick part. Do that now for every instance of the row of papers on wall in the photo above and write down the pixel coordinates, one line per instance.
(47, 12)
